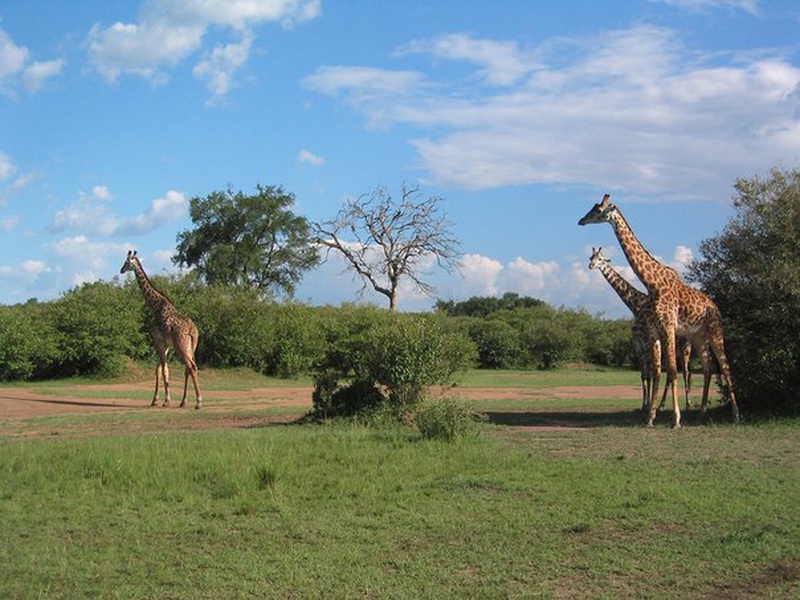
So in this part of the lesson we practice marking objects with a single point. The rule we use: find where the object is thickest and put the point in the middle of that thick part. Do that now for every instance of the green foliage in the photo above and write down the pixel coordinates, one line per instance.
(98, 324)
(751, 271)
(92, 329)
(395, 358)
(498, 342)
(408, 353)
(486, 305)
(28, 346)
(253, 242)
(445, 419)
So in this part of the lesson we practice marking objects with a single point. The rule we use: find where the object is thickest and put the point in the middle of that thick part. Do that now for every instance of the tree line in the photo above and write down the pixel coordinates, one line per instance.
(96, 329)
(246, 251)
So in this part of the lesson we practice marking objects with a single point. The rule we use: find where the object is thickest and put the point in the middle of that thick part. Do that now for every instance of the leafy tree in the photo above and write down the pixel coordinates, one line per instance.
(385, 239)
(482, 306)
(751, 271)
(252, 242)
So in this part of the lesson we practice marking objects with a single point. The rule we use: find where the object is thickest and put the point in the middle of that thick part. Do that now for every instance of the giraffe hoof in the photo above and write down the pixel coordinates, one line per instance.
(676, 426)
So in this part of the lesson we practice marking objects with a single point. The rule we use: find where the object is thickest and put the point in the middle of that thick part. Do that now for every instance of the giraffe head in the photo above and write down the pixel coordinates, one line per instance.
(598, 259)
(129, 262)
(600, 213)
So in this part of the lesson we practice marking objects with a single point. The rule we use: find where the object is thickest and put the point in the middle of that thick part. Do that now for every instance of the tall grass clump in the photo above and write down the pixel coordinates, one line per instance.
(445, 419)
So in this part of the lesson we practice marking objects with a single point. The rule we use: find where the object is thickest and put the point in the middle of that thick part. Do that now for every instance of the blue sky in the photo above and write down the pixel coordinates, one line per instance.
(519, 114)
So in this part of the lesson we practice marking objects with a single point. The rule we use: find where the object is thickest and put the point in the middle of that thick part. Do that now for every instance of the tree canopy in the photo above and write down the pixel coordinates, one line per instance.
(386, 239)
(248, 241)
(752, 271)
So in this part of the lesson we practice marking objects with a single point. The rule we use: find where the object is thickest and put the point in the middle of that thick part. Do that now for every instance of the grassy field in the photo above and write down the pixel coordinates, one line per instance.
(554, 498)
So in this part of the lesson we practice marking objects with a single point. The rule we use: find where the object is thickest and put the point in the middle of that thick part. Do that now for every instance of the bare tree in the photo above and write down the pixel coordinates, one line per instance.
(385, 240)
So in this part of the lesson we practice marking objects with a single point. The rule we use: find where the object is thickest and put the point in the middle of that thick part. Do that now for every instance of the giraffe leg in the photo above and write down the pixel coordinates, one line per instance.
(158, 376)
(718, 348)
(707, 368)
(190, 371)
(165, 373)
(655, 366)
(672, 378)
(196, 383)
(686, 354)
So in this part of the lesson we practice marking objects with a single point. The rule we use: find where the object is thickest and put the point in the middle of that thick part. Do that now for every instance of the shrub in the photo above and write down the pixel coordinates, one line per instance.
(408, 352)
(97, 325)
(446, 419)
(28, 346)
(497, 343)
(394, 358)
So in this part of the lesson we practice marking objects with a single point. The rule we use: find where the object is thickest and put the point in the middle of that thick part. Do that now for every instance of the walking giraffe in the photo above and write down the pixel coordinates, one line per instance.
(678, 309)
(170, 330)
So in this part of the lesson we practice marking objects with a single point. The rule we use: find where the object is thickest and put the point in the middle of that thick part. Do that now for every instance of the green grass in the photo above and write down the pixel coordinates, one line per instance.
(579, 375)
(602, 509)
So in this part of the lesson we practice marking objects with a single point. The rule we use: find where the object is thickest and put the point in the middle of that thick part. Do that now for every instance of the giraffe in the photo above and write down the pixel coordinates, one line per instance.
(170, 330)
(644, 330)
(678, 309)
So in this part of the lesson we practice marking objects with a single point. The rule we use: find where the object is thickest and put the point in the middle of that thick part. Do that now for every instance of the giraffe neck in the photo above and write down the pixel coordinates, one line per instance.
(157, 301)
(650, 272)
(633, 298)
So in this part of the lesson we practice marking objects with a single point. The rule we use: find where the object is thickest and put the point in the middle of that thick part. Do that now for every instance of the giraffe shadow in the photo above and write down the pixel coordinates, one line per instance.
(586, 419)
(626, 418)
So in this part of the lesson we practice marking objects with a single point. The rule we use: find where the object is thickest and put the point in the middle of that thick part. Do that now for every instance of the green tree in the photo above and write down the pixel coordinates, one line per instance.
(751, 270)
(253, 242)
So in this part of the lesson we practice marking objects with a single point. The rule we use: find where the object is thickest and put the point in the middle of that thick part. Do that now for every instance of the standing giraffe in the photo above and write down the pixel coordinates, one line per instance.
(644, 330)
(678, 309)
(170, 330)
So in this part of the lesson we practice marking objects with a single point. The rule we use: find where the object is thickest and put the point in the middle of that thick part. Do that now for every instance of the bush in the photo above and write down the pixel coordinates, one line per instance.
(498, 344)
(405, 354)
(28, 347)
(395, 359)
(750, 271)
(97, 325)
(446, 419)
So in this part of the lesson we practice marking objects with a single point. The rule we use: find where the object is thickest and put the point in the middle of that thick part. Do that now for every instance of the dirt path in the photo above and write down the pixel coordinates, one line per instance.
(255, 407)
(24, 403)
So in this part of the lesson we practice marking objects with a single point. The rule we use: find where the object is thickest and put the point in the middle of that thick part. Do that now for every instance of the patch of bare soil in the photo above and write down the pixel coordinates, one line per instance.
(242, 408)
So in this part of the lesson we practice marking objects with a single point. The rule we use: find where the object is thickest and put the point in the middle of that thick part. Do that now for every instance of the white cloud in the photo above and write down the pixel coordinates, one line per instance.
(7, 168)
(100, 192)
(681, 258)
(170, 31)
(24, 273)
(306, 156)
(16, 66)
(162, 210)
(631, 110)
(531, 279)
(750, 6)
(9, 223)
(90, 214)
(13, 58)
(221, 65)
(502, 62)
(37, 74)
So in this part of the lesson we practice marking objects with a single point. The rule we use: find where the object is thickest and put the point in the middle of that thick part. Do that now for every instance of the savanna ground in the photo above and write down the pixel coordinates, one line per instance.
(561, 494)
